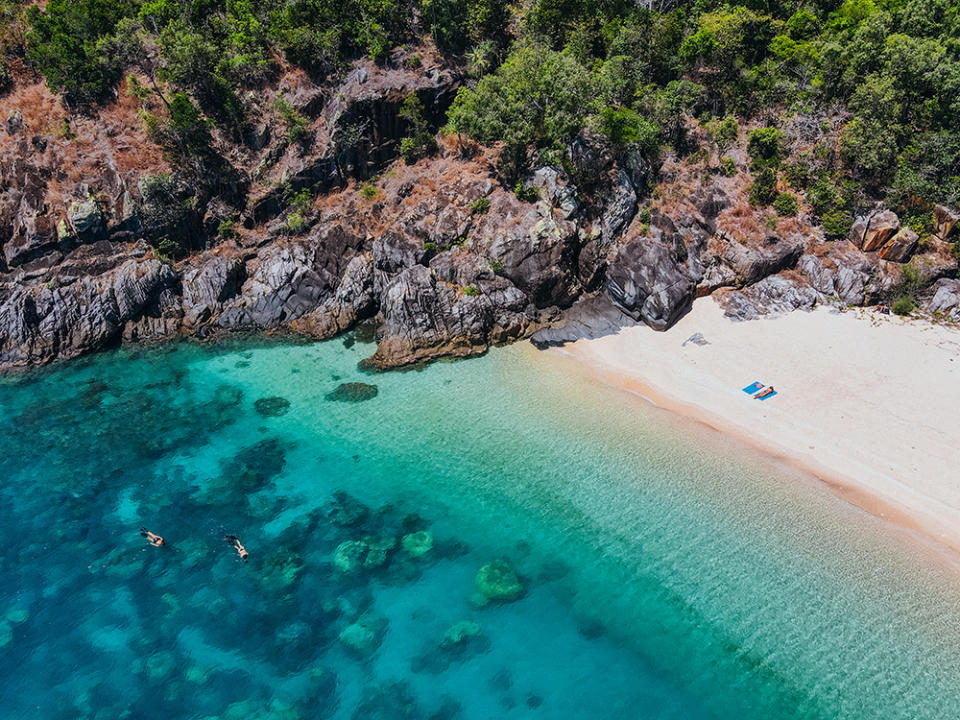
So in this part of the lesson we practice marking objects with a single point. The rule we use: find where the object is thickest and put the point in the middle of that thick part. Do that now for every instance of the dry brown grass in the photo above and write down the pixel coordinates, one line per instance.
(106, 150)
(742, 222)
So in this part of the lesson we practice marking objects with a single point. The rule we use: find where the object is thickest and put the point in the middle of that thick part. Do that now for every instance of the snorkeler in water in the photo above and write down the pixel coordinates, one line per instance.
(235, 542)
(152, 538)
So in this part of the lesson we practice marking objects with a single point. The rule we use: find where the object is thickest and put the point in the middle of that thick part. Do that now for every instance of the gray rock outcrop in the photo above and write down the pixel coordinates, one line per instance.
(647, 280)
(946, 298)
(46, 321)
(772, 295)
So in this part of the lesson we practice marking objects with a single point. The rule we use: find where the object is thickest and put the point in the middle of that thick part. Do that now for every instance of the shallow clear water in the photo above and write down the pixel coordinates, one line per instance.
(667, 573)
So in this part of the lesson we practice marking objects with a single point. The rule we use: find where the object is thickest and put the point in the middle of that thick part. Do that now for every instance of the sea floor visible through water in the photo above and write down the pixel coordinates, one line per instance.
(631, 564)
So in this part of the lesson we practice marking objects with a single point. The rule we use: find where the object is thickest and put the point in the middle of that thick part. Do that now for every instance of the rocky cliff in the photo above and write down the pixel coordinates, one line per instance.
(314, 236)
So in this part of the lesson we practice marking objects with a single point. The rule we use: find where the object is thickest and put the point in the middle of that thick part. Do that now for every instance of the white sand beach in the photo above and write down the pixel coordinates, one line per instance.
(868, 403)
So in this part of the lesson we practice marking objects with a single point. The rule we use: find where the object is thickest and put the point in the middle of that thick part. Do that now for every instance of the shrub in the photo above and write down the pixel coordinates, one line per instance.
(169, 249)
(785, 204)
(480, 206)
(527, 193)
(299, 201)
(797, 173)
(408, 150)
(728, 166)
(496, 265)
(471, 290)
(297, 127)
(295, 222)
(627, 130)
(903, 305)
(763, 188)
(765, 146)
(420, 142)
(184, 136)
(6, 79)
(369, 192)
(913, 278)
(227, 229)
(727, 133)
(316, 50)
(167, 214)
(837, 223)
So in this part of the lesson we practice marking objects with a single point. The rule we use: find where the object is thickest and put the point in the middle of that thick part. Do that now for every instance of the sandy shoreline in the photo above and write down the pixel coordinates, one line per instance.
(868, 403)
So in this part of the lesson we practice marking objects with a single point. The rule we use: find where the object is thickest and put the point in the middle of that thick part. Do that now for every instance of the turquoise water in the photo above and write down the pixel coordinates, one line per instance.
(666, 572)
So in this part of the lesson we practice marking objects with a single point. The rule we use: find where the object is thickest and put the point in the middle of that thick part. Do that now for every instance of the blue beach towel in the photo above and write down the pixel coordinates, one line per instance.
(761, 399)
(751, 389)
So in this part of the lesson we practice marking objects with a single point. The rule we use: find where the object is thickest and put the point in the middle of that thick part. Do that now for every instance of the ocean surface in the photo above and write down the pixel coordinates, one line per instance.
(492, 538)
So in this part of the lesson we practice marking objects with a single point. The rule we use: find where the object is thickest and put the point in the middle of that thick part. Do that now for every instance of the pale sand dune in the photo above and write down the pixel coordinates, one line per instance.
(869, 403)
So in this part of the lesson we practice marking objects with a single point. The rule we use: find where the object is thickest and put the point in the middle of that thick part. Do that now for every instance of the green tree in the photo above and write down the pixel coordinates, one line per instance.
(537, 96)
(763, 190)
(765, 146)
(192, 61)
(628, 130)
(62, 43)
(870, 141)
(184, 135)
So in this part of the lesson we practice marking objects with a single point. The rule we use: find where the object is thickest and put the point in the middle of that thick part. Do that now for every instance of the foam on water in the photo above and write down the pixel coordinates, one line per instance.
(669, 573)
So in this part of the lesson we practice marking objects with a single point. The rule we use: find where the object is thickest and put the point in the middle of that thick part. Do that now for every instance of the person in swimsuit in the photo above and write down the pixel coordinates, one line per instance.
(152, 538)
(765, 393)
(235, 543)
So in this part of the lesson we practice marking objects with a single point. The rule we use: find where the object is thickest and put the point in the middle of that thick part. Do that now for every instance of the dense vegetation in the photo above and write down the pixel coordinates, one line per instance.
(884, 73)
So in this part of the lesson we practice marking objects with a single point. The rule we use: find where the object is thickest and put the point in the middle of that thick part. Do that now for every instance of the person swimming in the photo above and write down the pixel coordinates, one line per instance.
(235, 542)
(152, 538)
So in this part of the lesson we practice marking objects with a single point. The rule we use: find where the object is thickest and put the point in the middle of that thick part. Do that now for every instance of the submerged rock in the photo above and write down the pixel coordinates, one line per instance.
(160, 665)
(460, 642)
(417, 544)
(497, 581)
(353, 392)
(460, 634)
(349, 555)
(18, 615)
(365, 635)
(280, 570)
(347, 511)
(377, 551)
(368, 553)
(391, 701)
(272, 406)
(250, 470)
(197, 674)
